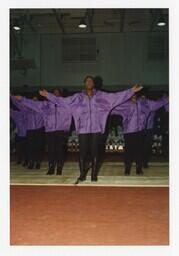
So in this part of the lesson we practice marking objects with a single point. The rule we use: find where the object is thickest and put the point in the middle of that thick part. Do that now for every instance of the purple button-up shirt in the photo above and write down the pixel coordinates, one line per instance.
(34, 119)
(166, 107)
(150, 120)
(56, 118)
(135, 114)
(90, 113)
(20, 121)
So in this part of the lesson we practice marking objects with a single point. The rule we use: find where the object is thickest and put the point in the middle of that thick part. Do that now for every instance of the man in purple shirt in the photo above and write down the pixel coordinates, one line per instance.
(35, 130)
(57, 121)
(148, 135)
(90, 109)
(21, 140)
(135, 113)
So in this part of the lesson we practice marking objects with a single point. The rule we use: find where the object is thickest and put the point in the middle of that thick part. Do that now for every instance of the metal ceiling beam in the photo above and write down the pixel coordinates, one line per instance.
(27, 18)
(90, 14)
(59, 20)
(153, 15)
(122, 19)
(30, 26)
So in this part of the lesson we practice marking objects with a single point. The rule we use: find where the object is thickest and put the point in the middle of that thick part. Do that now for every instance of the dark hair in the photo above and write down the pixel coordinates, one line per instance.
(98, 81)
(58, 89)
(35, 96)
(88, 76)
(143, 92)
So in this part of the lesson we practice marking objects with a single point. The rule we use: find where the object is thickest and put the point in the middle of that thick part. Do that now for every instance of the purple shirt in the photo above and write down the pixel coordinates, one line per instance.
(90, 113)
(135, 114)
(56, 118)
(150, 120)
(166, 107)
(34, 119)
(20, 120)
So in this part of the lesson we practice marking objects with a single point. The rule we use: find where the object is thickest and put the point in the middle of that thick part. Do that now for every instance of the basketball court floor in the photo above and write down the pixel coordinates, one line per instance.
(116, 210)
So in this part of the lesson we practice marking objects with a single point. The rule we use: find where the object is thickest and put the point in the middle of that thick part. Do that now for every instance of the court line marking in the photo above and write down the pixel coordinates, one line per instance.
(88, 185)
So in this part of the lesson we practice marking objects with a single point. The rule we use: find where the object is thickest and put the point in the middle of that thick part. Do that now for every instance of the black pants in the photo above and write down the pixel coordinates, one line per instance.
(103, 146)
(21, 148)
(35, 143)
(133, 150)
(147, 146)
(90, 151)
(165, 144)
(57, 146)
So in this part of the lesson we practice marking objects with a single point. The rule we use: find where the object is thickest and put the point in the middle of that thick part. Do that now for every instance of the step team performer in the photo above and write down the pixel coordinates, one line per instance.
(21, 139)
(90, 109)
(35, 130)
(135, 113)
(57, 121)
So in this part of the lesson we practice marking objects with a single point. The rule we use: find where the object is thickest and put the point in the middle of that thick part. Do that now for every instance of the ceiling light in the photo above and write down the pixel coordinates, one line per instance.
(16, 28)
(161, 22)
(82, 24)
(16, 25)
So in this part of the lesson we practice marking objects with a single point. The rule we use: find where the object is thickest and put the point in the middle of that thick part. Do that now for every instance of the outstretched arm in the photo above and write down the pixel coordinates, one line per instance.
(61, 101)
(34, 105)
(166, 107)
(17, 103)
(115, 99)
(121, 109)
(155, 105)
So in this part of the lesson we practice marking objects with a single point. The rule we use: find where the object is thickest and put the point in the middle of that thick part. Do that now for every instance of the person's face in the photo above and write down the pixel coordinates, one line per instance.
(134, 98)
(57, 93)
(89, 84)
(35, 98)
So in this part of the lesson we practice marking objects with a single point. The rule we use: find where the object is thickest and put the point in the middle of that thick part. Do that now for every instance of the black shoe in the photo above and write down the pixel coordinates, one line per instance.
(127, 173)
(94, 179)
(50, 172)
(139, 173)
(83, 171)
(95, 169)
(37, 166)
(59, 172)
(31, 165)
(25, 163)
(59, 169)
(80, 179)
(51, 169)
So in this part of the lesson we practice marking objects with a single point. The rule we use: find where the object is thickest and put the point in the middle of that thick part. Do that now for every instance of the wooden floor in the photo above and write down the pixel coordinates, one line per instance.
(88, 215)
(111, 174)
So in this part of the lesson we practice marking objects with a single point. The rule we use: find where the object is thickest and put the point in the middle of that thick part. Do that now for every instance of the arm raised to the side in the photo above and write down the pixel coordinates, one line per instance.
(117, 98)
(61, 101)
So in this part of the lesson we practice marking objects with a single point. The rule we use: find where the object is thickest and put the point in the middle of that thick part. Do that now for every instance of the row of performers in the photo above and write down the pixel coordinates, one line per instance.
(90, 109)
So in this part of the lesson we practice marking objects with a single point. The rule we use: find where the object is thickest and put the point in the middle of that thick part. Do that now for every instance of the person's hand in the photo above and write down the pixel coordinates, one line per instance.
(43, 93)
(137, 87)
(18, 97)
(165, 95)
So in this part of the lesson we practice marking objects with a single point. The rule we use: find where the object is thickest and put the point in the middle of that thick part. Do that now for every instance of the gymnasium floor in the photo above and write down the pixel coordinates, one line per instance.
(111, 173)
(117, 210)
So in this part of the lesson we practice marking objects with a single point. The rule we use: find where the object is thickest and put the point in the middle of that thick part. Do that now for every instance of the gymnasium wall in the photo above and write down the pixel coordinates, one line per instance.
(122, 59)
